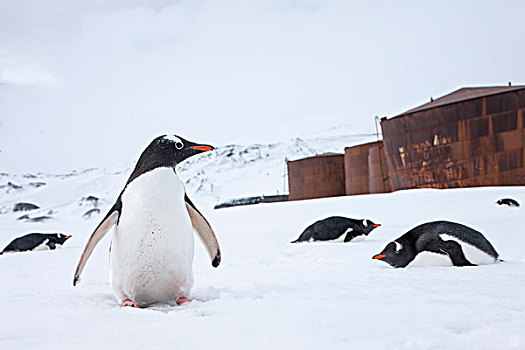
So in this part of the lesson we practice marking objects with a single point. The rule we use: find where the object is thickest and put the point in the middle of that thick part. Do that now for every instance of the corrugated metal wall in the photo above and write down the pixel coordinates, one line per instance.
(478, 142)
(316, 177)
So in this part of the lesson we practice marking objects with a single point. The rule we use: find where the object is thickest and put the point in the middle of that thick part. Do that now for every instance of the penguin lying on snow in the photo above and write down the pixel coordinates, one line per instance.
(508, 202)
(151, 252)
(35, 241)
(439, 243)
(336, 228)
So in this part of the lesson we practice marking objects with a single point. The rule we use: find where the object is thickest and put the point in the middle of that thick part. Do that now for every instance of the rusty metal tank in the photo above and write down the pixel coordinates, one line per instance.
(316, 177)
(379, 181)
(471, 137)
(356, 169)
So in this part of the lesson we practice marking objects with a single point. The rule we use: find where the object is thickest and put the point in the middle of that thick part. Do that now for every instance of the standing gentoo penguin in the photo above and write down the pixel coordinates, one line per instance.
(439, 243)
(508, 202)
(151, 253)
(35, 241)
(336, 228)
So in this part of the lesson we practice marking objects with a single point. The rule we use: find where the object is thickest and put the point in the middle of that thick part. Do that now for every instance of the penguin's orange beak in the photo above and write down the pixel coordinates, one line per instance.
(202, 148)
(379, 256)
(68, 237)
(376, 225)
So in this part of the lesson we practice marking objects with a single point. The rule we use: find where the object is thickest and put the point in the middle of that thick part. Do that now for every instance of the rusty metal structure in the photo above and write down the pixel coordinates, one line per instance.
(316, 177)
(366, 169)
(356, 169)
(470, 137)
(378, 177)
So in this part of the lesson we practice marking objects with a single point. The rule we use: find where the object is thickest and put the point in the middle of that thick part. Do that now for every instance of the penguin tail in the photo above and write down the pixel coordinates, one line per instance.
(500, 260)
(296, 241)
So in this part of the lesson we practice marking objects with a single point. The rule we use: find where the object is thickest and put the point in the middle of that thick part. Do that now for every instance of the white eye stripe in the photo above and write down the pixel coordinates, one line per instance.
(399, 246)
(178, 142)
(365, 224)
(172, 138)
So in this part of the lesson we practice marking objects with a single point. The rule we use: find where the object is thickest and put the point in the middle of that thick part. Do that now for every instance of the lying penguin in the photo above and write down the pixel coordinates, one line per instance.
(337, 229)
(35, 241)
(151, 252)
(508, 202)
(439, 243)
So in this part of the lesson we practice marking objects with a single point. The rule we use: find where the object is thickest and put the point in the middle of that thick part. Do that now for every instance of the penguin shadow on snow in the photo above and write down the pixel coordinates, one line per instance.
(197, 298)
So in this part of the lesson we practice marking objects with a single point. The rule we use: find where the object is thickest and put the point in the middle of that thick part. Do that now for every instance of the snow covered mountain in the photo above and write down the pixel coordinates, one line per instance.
(235, 171)
(225, 173)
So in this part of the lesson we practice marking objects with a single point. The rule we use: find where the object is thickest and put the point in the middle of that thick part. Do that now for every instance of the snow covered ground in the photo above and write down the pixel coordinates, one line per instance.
(267, 293)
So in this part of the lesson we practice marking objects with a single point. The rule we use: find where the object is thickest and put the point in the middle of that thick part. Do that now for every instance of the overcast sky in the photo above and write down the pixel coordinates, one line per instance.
(90, 83)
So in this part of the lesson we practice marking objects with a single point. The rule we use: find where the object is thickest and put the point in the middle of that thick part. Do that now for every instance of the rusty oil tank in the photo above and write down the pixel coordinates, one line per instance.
(471, 137)
(356, 169)
(316, 177)
(379, 181)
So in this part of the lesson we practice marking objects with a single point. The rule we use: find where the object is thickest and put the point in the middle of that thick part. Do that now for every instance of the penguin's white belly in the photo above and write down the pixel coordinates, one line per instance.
(359, 238)
(427, 259)
(152, 245)
(42, 246)
(472, 254)
(342, 237)
(339, 239)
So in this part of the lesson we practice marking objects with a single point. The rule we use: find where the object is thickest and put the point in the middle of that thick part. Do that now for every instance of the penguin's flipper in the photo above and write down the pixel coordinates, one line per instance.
(447, 247)
(456, 254)
(203, 228)
(99, 233)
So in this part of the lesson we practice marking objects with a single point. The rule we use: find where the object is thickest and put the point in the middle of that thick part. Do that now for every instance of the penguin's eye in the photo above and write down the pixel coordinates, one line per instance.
(179, 145)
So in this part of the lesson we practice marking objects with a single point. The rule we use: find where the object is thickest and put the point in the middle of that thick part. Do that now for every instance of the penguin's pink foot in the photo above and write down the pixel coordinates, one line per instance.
(183, 300)
(129, 303)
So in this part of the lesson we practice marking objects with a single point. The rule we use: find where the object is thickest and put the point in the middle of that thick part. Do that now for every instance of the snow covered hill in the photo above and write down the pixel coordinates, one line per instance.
(236, 171)
(267, 293)
(227, 172)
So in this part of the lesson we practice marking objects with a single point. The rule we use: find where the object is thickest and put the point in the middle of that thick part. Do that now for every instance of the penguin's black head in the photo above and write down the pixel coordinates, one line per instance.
(167, 151)
(174, 149)
(396, 254)
(60, 238)
(367, 226)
